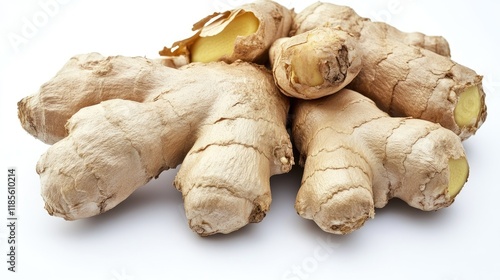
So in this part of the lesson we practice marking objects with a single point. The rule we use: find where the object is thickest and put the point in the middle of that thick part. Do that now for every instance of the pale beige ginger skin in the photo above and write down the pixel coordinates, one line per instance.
(315, 63)
(357, 157)
(406, 74)
(83, 81)
(273, 21)
(225, 123)
(327, 14)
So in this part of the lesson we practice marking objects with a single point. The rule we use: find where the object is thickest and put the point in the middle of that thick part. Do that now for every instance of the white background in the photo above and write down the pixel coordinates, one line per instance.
(147, 236)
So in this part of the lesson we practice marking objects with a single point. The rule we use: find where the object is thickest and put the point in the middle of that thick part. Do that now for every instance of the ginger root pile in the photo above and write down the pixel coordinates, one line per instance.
(375, 113)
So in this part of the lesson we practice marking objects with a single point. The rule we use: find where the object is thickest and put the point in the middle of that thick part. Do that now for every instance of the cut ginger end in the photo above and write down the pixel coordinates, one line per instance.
(212, 48)
(459, 172)
(305, 71)
(468, 107)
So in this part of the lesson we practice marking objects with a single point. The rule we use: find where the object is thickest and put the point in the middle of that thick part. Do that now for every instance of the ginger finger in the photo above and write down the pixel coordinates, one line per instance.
(327, 14)
(437, 44)
(406, 80)
(316, 63)
(245, 33)
(357, 157)
(87, 80)
(105, 157)
(225, 123)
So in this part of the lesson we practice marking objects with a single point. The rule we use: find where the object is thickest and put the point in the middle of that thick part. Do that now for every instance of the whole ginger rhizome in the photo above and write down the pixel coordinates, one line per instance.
(220, 101)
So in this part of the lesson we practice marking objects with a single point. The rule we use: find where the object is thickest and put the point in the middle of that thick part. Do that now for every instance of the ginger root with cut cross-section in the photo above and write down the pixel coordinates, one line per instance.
(244, 33)
(357, 157)
(117, 122)
(315, 63)
(406, 74)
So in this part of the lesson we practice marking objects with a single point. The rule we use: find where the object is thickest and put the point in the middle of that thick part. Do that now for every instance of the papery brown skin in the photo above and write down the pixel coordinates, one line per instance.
(270, 20)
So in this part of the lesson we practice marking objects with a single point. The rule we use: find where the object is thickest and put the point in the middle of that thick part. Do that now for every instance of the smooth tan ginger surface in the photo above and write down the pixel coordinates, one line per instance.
(244, 33)
(225, 123)
(315, 63)
(403, 75)
(357, 157)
